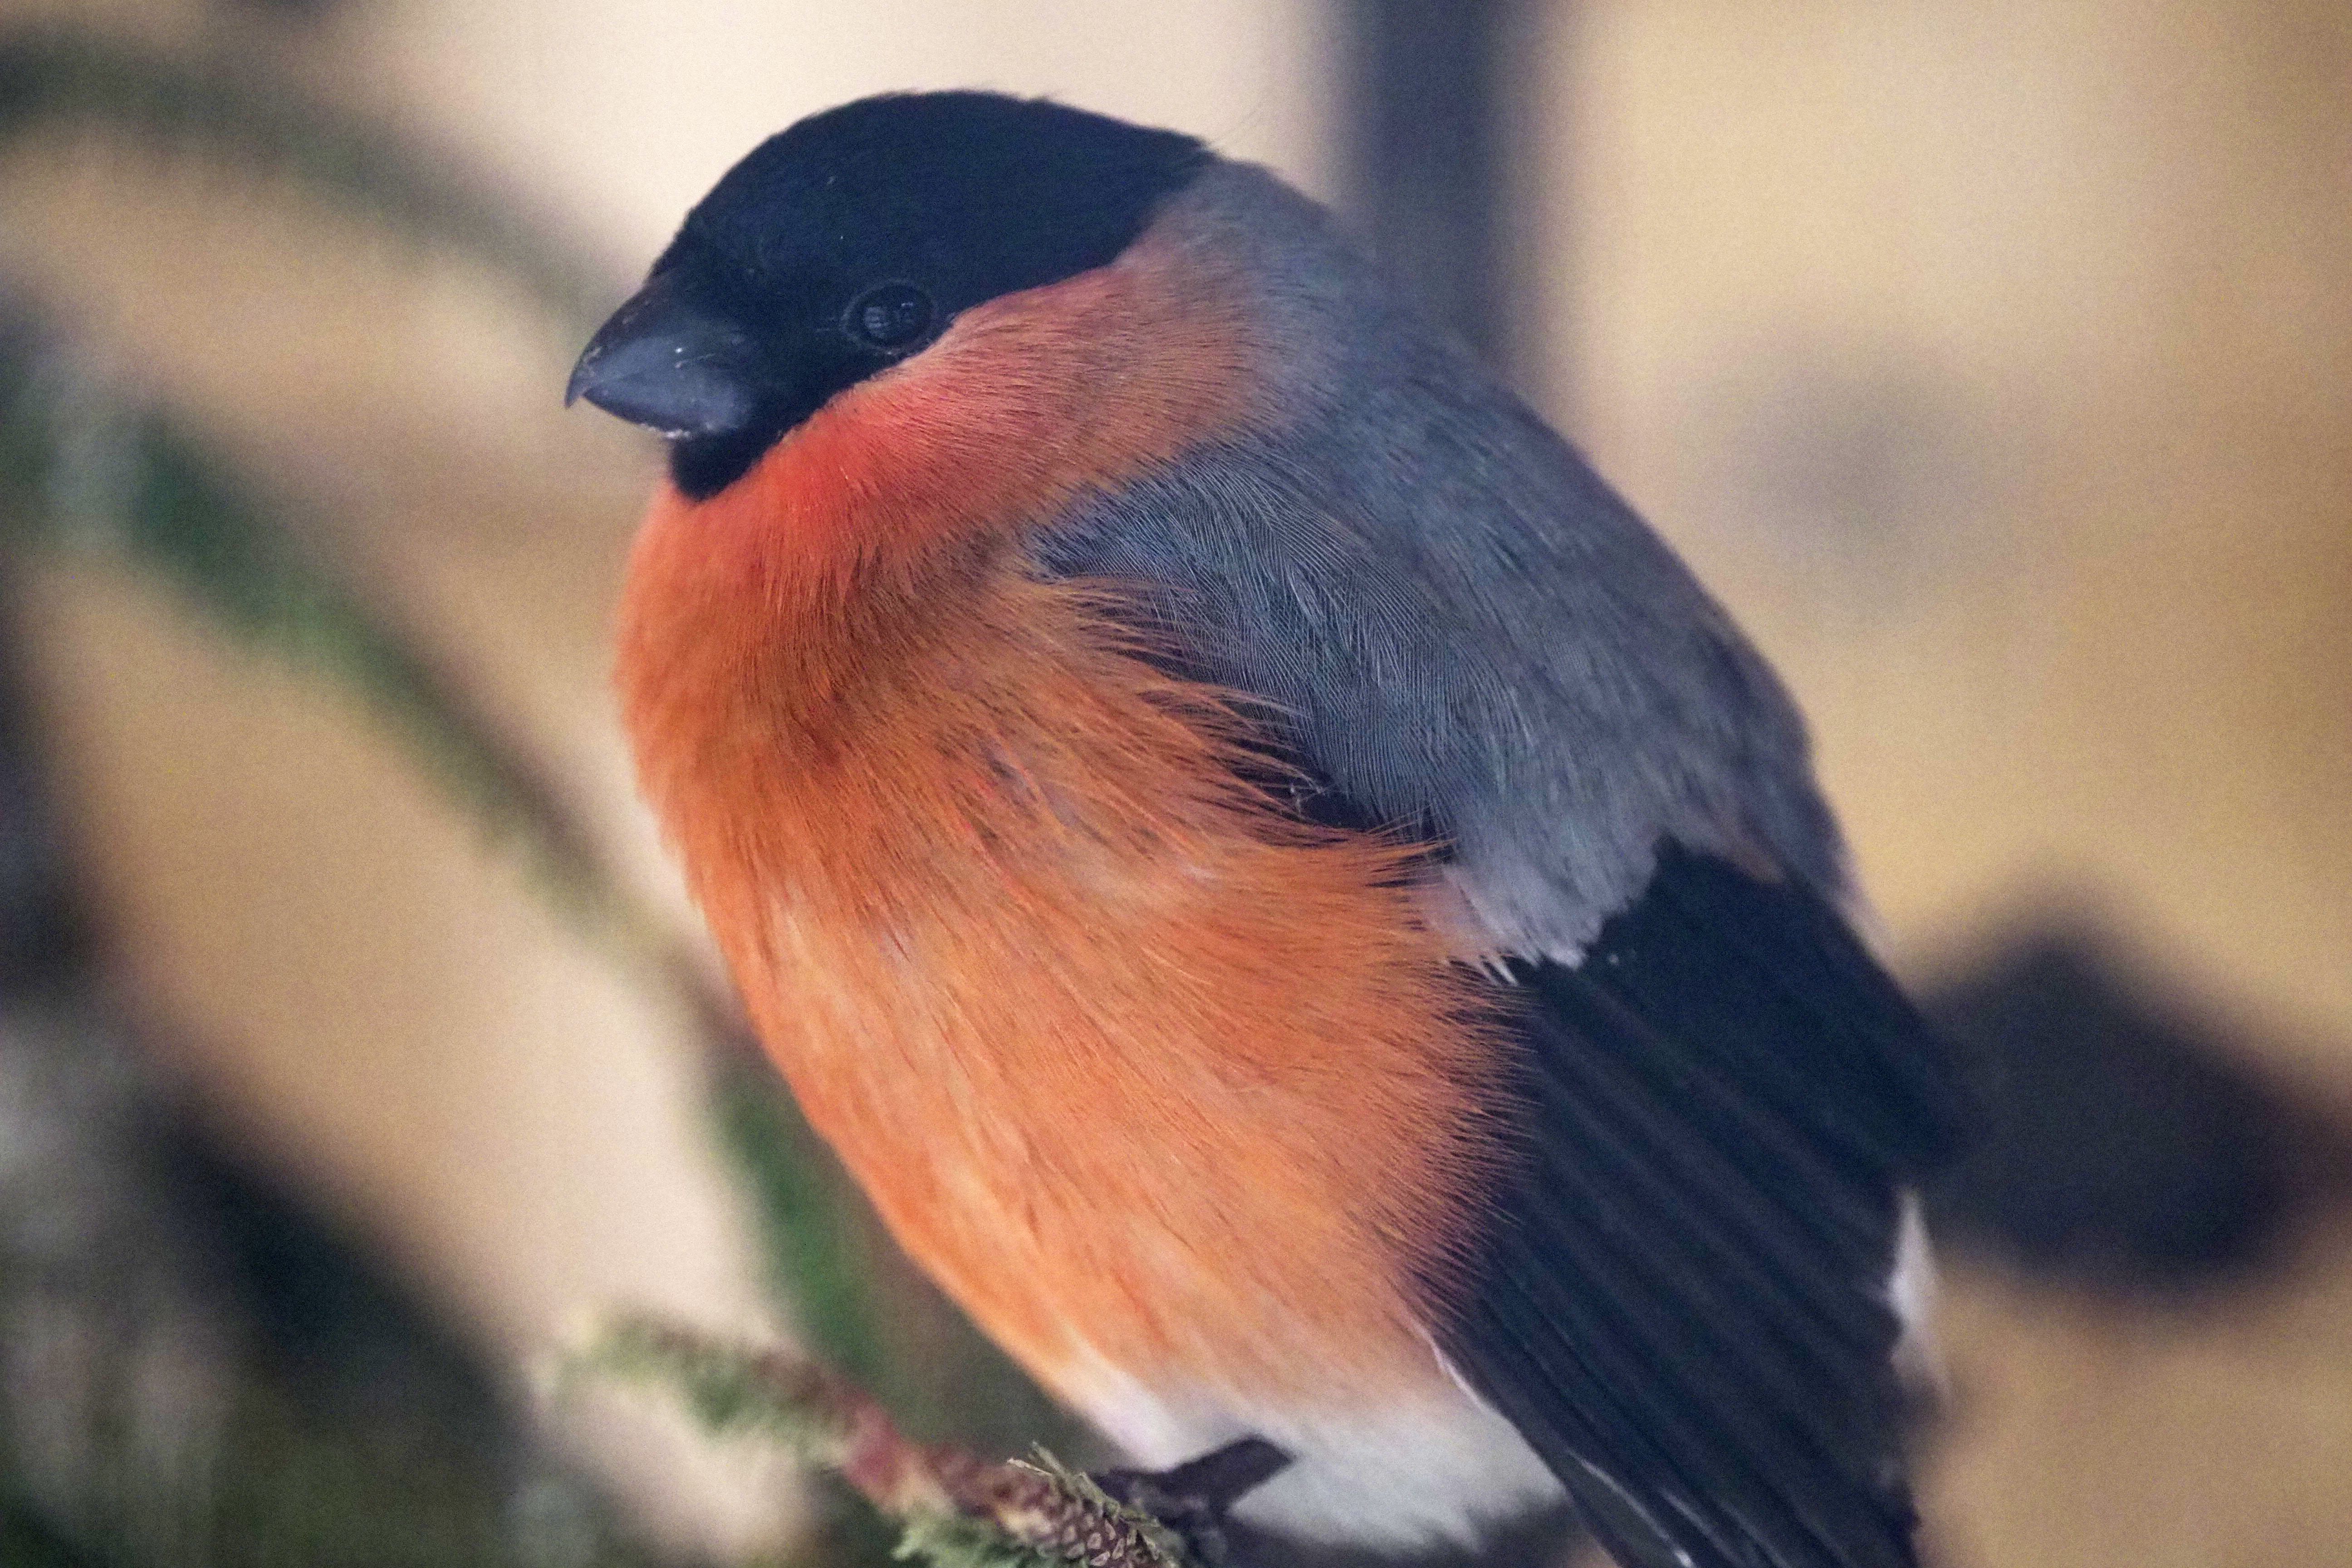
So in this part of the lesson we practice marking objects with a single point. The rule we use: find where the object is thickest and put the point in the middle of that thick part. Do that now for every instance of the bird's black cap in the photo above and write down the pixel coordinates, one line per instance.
(850, 241)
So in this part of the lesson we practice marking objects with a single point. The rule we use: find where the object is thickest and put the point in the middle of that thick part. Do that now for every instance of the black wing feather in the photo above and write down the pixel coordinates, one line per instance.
(1682, 1300)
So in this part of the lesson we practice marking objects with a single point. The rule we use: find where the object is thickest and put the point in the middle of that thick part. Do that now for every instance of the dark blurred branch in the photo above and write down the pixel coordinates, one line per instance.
(83, 475)
(1431, 121)
(44, 935)
(296, 13)
(63, 79)
(79, 470)
(44, 938)
(141, 1417)
(82, 472)
(2130, 1141)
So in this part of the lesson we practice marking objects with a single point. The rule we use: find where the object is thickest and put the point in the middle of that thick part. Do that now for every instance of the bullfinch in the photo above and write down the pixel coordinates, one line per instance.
(1298, 910)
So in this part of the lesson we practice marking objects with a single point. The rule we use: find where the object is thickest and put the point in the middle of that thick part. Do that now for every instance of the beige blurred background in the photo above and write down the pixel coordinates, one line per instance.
(1991, 359)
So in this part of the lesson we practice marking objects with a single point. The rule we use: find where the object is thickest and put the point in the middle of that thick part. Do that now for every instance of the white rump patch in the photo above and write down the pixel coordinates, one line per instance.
(1911, 1290)
(1439, 1466)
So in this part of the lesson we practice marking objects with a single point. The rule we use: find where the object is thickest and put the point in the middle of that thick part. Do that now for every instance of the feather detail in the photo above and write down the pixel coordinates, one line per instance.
(1685, 1302)
(1100, 1028)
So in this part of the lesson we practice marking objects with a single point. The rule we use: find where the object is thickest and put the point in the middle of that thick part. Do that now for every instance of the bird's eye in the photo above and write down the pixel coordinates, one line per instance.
(891, 317)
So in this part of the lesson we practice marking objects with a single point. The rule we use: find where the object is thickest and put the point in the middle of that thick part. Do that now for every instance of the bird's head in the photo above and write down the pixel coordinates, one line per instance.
(849, 243)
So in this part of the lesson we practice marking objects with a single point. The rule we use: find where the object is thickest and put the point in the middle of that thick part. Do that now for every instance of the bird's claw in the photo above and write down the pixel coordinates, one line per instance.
(1194, 1498)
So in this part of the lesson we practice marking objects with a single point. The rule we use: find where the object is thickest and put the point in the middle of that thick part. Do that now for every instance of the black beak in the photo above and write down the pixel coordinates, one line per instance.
(670, 365)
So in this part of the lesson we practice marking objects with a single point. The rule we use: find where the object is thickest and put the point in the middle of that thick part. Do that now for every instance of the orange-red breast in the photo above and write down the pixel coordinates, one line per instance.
(1299, 911)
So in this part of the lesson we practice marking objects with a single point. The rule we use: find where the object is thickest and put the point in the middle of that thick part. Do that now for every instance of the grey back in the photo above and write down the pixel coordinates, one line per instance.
(1455, 622)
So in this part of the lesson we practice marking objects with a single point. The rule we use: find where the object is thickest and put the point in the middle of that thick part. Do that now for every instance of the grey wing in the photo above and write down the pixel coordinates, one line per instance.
(1470, 635)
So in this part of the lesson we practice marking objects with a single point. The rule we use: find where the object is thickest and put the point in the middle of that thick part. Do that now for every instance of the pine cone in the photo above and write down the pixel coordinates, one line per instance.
(1051, 1514)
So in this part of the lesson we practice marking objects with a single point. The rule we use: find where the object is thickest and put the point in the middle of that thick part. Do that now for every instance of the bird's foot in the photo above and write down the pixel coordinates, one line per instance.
(1194, 1498)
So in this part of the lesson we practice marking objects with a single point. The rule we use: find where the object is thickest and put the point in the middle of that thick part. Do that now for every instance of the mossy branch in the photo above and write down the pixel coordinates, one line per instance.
(954, 1509)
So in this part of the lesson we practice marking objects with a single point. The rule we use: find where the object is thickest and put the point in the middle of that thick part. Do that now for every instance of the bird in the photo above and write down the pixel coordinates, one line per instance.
(1298, 910)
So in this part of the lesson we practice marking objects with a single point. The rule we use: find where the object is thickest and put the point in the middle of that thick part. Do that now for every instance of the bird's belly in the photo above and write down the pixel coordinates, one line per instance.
(1192, 1151)
(1185, 1253)
(1406, 1470)
(1170, 1093)
(1108, 1171)
(1187, 1245)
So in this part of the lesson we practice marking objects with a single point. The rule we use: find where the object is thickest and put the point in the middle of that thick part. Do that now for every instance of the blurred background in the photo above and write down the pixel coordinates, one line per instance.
(1992, 359)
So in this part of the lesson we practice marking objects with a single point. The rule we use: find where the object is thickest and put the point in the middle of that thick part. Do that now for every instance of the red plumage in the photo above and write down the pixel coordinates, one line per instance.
(1099, 1030)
